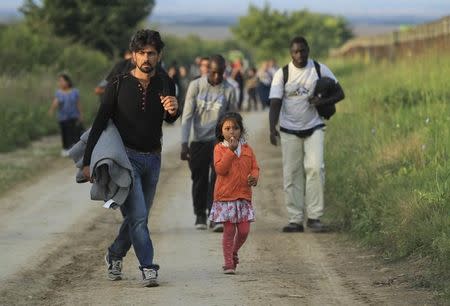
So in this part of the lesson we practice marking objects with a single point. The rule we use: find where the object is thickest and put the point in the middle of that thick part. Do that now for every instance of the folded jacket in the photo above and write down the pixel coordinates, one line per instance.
(110, 167)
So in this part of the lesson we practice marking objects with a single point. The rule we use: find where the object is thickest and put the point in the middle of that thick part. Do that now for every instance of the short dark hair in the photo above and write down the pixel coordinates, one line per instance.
(218, 59)
(146, 37)
(299, 40)
(66, 78)
(232, 116)
(204, 58)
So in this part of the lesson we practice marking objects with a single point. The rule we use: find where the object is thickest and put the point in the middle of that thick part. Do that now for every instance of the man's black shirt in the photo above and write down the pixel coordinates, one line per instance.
(138, 113)
(122, 67)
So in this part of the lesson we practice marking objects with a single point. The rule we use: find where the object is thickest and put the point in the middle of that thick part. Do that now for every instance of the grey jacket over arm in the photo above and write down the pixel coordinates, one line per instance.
(110, 167)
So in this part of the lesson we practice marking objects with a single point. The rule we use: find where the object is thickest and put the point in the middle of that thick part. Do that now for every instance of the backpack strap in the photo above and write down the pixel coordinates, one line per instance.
(286, 71)
(317, 66)
(285, 74)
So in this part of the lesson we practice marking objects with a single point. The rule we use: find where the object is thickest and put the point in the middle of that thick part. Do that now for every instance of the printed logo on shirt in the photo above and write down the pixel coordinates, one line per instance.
(208, 103)
(296, 90)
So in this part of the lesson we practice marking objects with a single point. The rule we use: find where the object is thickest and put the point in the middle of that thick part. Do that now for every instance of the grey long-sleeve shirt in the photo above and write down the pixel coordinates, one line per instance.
(203, 107)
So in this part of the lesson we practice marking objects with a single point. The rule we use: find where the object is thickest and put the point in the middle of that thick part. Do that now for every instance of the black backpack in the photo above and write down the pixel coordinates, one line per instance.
(325, 111)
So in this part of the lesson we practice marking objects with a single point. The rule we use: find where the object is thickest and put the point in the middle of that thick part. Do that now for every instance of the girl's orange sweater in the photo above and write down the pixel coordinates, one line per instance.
(232, 173)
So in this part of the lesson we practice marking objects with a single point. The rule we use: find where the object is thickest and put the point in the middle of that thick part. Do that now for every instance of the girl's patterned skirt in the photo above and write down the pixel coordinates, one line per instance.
(233, 211)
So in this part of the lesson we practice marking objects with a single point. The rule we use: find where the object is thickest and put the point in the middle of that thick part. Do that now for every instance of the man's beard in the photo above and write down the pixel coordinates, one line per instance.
(147, 69)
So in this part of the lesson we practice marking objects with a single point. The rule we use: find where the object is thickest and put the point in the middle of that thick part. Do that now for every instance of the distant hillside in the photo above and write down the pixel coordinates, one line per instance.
(218, 27)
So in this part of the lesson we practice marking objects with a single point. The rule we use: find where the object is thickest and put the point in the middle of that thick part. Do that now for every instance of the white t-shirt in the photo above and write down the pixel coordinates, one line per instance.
(296, 112)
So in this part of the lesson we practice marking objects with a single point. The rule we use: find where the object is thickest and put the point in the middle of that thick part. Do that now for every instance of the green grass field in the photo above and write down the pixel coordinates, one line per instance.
(387, 148)
(387, 155)
(24, 102)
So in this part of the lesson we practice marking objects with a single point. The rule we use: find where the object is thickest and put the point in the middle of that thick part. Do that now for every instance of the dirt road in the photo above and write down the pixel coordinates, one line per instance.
(53, 239)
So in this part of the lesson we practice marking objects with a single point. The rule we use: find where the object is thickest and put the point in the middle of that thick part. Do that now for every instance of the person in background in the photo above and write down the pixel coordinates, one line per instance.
(172, 73)
(124, 66)
(302, 133)
(184, 83)
(236, 75)
(251, 85)
(203, 67)
(67, 102)
(194, 70)
(272, 67)
(207, 99)
(264, 81)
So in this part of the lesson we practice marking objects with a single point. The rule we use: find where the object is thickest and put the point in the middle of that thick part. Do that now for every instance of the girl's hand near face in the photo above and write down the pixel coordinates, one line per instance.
(233, 143)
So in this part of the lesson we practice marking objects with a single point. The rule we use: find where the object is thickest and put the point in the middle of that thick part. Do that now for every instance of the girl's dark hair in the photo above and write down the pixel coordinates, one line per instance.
(66, 78)
(146, 37)
(232, 116)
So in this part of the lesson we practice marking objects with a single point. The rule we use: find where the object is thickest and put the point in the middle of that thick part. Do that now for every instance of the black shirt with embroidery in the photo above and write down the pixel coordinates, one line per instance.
(137, 113)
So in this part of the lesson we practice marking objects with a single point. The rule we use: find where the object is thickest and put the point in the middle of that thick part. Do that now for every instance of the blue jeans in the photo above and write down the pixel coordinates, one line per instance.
(135, 210)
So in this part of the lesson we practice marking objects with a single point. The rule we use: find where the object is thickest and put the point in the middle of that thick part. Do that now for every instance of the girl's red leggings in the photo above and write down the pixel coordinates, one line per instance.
(234, 236)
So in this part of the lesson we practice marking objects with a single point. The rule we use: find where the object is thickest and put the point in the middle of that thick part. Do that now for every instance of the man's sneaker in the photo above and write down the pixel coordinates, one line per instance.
(114, 268)
(200, 223)
(150, 276)
(316, 226)
(293, 228)
(217, 228)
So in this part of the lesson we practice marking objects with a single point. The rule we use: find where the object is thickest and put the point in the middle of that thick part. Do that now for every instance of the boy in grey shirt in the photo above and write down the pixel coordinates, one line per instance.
(207, 98)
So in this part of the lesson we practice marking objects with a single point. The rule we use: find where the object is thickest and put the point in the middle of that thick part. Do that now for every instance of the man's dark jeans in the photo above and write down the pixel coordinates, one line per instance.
(203, 176)
(135, 210)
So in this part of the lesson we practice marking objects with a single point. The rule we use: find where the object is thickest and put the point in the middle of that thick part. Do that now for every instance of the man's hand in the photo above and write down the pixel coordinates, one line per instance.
(87, 173)
(274, 137)
(234, 143)
(170, 104)
(185, 154)
(99, 90)
(252, 181)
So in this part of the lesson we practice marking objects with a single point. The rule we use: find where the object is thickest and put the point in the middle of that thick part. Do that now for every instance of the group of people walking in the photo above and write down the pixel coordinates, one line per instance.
(214, 143)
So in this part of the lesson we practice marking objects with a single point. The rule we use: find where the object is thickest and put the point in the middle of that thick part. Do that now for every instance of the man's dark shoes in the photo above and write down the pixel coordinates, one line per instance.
(316, 226)
(293, 228)
(200, 223)
(114, 268)
(150, 276)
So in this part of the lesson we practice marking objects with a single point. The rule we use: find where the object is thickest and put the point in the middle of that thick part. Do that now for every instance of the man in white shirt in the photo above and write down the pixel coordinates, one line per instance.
(302, 134)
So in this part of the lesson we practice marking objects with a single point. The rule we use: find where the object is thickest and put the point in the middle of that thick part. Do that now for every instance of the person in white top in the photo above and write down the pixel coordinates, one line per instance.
(302, 134)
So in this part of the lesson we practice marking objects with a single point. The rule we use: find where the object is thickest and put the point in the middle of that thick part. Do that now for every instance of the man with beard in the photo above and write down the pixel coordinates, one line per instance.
(137, 103)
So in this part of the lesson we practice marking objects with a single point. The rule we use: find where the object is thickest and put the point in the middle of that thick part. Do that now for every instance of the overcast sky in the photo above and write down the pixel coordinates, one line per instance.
(422, 8)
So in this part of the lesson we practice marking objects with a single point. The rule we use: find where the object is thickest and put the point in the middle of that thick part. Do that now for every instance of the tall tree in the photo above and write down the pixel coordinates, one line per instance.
(105, 25)
(267, 32)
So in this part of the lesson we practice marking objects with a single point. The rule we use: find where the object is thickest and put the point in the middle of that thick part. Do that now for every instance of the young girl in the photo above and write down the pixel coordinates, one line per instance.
(67, 101)
(237, 171)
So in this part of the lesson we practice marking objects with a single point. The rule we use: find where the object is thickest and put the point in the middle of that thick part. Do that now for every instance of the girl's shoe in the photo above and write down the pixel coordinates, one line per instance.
(235, 260)
(229, 270)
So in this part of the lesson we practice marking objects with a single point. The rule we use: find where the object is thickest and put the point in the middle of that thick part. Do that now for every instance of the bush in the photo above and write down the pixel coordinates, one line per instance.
(30, 65)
